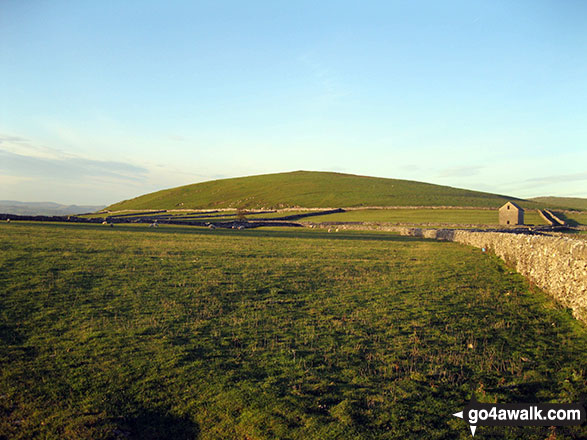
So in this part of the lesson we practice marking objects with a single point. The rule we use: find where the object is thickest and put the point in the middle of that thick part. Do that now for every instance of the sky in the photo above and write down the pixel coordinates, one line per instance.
(106, 100)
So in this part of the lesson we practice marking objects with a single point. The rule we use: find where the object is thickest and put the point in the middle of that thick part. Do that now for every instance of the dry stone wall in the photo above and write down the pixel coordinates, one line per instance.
(559, 220)
(558, 265)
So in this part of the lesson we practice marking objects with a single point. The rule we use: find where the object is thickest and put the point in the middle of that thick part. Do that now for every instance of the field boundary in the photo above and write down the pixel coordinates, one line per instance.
(558, 265)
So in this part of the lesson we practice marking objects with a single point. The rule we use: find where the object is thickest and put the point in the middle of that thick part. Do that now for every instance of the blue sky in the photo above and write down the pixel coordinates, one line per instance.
(106, 100)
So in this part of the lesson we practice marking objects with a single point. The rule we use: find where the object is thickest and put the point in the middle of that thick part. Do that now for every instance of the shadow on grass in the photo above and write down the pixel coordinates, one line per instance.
(152, 424)
(9, 336)
(568, 221)
(525, 391)
(290, 232)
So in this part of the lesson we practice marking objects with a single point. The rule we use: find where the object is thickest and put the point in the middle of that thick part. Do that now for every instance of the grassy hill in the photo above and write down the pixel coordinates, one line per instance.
(312, 190)
(563, 202)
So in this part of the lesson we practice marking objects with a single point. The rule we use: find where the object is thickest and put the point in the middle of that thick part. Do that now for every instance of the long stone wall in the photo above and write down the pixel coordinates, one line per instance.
(559, 220)
(558, 265)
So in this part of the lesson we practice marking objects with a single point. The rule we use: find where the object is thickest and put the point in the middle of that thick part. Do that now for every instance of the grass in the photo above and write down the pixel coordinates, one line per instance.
(574, 218)
(421, 216)
(564, 202)
(177, 332)
(142, 213)
(309, 190)
(199, 216)
(413, 216)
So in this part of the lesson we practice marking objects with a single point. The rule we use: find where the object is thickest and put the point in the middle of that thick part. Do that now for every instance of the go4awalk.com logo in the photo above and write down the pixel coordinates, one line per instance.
(521, 414)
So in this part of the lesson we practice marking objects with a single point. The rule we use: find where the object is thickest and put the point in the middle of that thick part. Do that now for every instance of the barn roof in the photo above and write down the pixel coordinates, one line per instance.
(518, 207)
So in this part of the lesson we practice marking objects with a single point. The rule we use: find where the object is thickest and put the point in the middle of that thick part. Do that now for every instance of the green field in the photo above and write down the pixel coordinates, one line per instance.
(421, 216)
(312, 190)
(178, 332)
(575, 218)
(218, 216)
(412, 216)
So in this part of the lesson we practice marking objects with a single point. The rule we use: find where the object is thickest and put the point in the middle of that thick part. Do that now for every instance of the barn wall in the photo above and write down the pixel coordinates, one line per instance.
(513, 215)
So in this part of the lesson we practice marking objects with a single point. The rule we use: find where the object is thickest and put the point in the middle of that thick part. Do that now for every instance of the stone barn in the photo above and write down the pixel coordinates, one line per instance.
(511, 214)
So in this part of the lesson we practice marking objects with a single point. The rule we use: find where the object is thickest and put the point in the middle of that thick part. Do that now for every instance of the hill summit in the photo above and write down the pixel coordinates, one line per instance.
(310, 189)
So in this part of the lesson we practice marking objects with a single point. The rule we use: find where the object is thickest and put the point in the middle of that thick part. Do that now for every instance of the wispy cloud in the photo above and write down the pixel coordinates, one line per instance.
(410, 168)
(31, 171)
(576, 177)
(69, 168)
(177, 138)
(462, 171)
(24, 159)
(26, 147)
(555, 184)
(13, 180)
(14, 139)
(324, 76)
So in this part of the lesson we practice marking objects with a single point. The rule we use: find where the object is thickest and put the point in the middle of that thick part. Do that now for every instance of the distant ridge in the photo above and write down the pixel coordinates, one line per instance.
(312, 189)
(563, 202)
(44, 208)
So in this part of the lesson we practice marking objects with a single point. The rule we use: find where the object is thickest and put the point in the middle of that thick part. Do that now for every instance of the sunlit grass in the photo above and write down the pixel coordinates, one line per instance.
(308, 189)
(178, 332)
(423, 216)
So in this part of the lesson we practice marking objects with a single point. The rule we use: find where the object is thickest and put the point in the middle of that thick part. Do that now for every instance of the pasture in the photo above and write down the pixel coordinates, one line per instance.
(484, 217)
(424, 216)
(182, 332)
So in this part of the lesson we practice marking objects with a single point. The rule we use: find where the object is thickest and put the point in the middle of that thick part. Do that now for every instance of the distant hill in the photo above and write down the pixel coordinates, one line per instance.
(310, 189)
(44, 208)
(563, 202)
